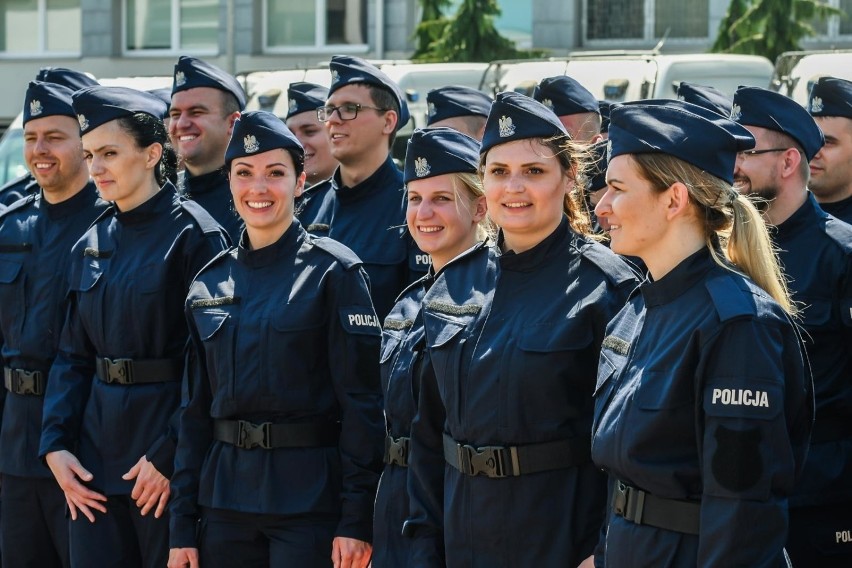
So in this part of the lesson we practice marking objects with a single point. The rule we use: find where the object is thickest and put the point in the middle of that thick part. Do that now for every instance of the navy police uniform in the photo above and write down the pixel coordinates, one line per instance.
(831, 96)
(17, 189)
(369, 218)
(815, 251)
(306, 97)
(431, 152)
(280, 443)
(703, 402)
(504, 415)
(115, 383)
(210, 190)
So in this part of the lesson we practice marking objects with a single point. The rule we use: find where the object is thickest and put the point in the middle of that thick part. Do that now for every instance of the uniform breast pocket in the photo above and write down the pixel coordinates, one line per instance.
(553, 372)
(604, 384)
(216, 330)
(12, 298)
(389, 353)
(296, 346)
(89, 288)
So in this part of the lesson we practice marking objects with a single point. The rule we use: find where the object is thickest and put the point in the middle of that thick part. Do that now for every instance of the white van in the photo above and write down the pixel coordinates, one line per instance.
(797, 71)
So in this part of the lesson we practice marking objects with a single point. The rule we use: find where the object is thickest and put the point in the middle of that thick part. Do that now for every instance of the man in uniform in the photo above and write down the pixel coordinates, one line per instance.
(364, 205)
(460, 108)
(36, 236)
(830, 103)
(815, 250)
(578, 109)
(706, 97)
(205, 103)
(303, 100)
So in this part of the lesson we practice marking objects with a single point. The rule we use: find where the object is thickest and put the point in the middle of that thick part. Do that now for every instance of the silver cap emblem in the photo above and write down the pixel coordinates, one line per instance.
(84, 122)
(421, 167)
(35, 107)
(506, 127)
(250, 144)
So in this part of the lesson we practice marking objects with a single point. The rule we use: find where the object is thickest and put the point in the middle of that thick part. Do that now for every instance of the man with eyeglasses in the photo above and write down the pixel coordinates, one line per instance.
(830, 103)
(363, 204)
(815, 250)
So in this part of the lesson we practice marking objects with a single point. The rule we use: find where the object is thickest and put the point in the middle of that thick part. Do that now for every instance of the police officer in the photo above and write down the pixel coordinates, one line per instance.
(461, 108)
(303, 100)
(705, 96)
(702, 403)
(815, 250)
(36, 235)
(363, 206)
(205, 103)
(115, 382)
(280, 444)
(26, 184)
(513, 334)
(446, 208)
(830, 103)
(577, 108)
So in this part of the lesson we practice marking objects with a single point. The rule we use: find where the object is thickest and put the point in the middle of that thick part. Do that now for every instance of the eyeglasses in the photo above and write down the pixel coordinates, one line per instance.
(349, 111)
(747, 153)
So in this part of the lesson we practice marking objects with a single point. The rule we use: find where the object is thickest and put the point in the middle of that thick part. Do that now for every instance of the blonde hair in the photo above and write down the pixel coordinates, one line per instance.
(469, 186)
(732, 224)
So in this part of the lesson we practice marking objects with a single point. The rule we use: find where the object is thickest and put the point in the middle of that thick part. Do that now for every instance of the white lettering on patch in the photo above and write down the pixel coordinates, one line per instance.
(364, 320)
(843, 536)
(740, 397)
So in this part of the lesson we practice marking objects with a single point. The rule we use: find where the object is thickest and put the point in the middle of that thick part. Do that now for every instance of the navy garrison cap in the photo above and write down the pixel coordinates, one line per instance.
(744, 138)
(563, 95)
(596, 175)
(259, 131)
(831, 97)
(191, 73)
(74, 80)
(347, 70)
(304, 97)
(515, 116)
(643, 129)
(604, 107)
(452, 101)
(705, 96)
(47, 99)
(437, 151)
(98, 105)
(763, 108)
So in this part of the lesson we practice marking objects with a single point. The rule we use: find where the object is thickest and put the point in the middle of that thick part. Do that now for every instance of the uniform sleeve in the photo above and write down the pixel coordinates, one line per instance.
(752, 419)
(194, 439)
(68, 386)
(426, 474)
(354, 339)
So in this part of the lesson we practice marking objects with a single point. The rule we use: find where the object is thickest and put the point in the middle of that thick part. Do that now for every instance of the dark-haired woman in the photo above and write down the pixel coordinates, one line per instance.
(280, 444)
(500, 471)
(115, 383)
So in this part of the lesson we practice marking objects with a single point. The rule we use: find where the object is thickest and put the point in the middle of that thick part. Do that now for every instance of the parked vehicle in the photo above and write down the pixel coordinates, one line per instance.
(796, 71)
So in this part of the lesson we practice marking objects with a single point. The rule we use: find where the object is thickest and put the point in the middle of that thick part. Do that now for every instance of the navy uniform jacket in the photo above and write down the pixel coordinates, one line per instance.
(839, 209)
(703, 394)
(513, 343)
(129, 277)
(282, 334)
(370, 219)
(35, 245)
(403, 347)
(213, 192)
(816, 253)
(18, 189)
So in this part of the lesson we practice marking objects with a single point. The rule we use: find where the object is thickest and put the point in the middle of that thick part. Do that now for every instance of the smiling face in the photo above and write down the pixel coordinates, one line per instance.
(264, 187)
(53, 152)
(831, 168)
(442, 217)
(200, 128)
(319, 164)
(525, 188)
(352, 139)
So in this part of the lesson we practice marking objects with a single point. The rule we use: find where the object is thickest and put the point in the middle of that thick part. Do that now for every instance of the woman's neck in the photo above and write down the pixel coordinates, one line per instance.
(137, 197)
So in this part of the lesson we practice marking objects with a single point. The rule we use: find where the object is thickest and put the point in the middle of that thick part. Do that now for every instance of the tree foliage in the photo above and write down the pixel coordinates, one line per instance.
(770, 27)
(431, 26)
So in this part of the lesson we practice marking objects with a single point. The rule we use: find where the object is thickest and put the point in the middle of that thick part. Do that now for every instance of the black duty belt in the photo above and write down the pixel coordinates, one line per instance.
(137, 371)
(267, 435)
(21, 381)
(642, 508)
(396, 450)
(505, 461)
(831, 429)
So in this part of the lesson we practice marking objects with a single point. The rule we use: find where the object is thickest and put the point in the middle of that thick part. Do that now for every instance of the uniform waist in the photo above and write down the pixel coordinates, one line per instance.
(138, 371)
(396, 450)
(22, 381)
(642, 508)
(267, 435)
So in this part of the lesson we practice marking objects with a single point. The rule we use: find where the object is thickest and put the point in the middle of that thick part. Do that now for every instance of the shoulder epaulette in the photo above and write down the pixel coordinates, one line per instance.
(616, 270)
(20, 204)
(206, 221)
(729, 297)
(108, 212)
(338, 250)
(216, 259)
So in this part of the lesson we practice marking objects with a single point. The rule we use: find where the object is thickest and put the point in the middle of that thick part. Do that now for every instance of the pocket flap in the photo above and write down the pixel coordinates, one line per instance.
(89, 276)
(439, 331)
(9, 271)
(209, 322)
(390, 342)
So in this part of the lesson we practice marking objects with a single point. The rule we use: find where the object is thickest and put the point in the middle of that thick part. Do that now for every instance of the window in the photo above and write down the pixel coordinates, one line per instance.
(171, 25)
(835, 25)
(646, 20)
(40, 26)
(294, 24)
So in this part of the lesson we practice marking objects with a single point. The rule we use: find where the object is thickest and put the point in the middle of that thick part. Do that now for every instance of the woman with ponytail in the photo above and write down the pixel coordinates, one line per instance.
(703, 404)
(108, 435)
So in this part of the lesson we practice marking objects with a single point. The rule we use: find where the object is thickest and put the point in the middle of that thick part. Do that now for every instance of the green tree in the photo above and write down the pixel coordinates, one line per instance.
(771, 27)
(725, 38)
(431, 26)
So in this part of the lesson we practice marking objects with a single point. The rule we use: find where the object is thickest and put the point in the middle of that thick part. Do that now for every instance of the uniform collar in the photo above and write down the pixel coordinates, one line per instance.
(158, 203)
(805, 216)
(529, 260)
(205, 183)
(292, 238)
(74, 204)
(387, 175)
(681, 278)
